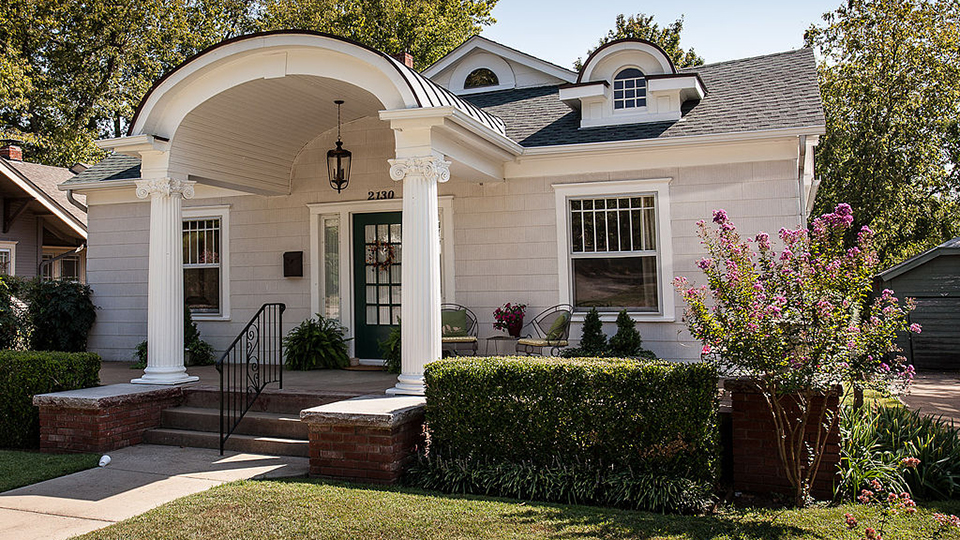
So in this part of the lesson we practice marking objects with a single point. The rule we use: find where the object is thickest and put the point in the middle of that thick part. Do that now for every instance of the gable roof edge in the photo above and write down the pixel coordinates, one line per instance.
(499, 49)
(41, 196)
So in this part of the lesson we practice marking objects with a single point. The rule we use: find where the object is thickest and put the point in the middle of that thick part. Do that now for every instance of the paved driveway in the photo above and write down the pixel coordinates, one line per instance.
(936, 393)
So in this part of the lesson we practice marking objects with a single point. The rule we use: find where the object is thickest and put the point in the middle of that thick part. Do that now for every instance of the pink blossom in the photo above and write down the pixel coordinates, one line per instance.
(719, 216)
(850, 521)
(915, 328)
(706, 349)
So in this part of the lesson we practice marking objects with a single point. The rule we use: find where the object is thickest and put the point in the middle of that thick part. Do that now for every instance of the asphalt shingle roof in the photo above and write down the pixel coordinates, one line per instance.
(113, 167)
(47, 178)
(764, 92)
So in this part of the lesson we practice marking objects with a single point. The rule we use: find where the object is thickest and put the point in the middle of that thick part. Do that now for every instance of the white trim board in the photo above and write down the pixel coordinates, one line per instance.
(345, 211)
(660, 188)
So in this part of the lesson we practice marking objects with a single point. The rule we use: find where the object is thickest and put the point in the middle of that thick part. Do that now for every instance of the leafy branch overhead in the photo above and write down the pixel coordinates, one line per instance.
(641, 26)
(890, 82)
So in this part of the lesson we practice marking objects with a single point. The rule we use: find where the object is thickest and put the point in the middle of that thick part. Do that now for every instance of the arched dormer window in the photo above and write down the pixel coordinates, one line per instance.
(629, 89)
(479, 78)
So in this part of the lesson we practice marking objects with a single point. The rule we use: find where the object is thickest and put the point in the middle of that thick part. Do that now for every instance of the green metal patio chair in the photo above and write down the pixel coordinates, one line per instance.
(550, 330)
(459, 330)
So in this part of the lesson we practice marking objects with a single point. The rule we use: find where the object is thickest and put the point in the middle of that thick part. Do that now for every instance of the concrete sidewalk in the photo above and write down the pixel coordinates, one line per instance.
(937, 394)
(138, 479)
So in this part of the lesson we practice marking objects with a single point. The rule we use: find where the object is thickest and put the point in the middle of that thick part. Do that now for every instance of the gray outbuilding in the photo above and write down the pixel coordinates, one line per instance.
(933, 279)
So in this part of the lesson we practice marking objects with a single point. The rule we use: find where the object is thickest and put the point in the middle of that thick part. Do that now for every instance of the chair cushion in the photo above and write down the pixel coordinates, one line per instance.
(454, 323)
(459, 339)
(542, 343)
(559, 326)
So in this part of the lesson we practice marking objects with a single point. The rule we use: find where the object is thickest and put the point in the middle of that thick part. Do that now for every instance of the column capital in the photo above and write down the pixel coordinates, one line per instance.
(164, 186)
(431, 167)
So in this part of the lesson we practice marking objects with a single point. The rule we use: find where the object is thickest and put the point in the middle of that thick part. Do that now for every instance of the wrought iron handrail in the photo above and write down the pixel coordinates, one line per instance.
(250, 363)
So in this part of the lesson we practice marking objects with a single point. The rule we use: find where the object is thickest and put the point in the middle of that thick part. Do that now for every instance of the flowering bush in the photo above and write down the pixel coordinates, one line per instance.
(887, 502)
(509, 318)
(798, 322)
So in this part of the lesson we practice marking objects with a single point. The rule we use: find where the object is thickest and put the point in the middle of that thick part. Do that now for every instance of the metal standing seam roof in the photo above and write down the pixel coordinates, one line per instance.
(431, 94)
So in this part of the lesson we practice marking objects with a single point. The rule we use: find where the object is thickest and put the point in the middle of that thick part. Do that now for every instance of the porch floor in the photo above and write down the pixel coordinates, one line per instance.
(317, 381)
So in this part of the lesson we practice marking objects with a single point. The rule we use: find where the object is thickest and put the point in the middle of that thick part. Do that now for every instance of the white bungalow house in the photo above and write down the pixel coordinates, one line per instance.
(512, 180)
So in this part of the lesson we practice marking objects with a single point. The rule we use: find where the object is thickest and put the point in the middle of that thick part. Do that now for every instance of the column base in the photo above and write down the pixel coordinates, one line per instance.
(166, 376)
(408, 385)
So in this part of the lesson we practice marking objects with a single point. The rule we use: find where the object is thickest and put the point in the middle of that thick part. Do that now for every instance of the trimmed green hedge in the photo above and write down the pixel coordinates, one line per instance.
(26, 373)
(611, 416)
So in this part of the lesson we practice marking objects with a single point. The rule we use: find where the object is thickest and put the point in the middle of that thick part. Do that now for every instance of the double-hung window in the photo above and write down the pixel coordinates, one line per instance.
(205, 259)
(614, 247)
(8, 258)
(613, 244)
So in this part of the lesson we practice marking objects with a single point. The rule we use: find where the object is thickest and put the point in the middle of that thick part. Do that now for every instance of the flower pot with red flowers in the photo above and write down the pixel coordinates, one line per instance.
(510, 318)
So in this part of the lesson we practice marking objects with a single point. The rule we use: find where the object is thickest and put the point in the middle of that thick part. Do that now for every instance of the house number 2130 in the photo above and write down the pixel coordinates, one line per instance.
(378, 195)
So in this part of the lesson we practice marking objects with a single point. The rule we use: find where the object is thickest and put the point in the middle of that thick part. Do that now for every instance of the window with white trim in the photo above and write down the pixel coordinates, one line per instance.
(61, 263)
(8, 258)
(613, 251)
(206, 277)
(629, 89)
(201, 265)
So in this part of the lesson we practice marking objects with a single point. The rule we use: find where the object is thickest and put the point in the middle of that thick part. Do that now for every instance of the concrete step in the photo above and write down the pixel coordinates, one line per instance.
(287, 426)
(276, 446)
(270, 400)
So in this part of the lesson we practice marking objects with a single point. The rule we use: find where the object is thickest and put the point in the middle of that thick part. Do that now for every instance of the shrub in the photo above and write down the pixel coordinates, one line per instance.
(26, 373)
(61, 314)
(576, 483)
(627, 341)
(390, 348)
(607, 416)
(11, 319)
(593, 342)
(798, 322)
(885, 436)
(316, 344)
(201, 352)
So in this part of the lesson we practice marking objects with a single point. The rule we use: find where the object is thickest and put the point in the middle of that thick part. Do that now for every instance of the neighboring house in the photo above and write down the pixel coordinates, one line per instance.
(932, 278)
(43, 232)
(512, 179)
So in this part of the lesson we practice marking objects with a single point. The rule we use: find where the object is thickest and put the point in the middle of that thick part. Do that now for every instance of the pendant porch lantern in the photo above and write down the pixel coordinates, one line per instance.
(338, 160)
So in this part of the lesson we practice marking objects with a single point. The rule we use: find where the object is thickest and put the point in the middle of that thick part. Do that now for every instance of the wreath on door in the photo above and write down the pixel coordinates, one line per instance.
(389, 252)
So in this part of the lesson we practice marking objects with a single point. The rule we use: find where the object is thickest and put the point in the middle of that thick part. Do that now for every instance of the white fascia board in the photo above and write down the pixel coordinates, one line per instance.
(482, 43)
(436, 116)
(589, 148)
(133, 145)
(44, 199)
(597, 89)
(99, 185)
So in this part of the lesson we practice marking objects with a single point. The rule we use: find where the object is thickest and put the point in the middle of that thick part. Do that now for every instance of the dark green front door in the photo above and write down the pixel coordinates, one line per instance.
(376, 263)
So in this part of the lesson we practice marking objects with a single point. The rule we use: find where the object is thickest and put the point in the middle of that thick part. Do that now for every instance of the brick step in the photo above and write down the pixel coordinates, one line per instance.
(270, 400)
(287, 426)
(239, 443)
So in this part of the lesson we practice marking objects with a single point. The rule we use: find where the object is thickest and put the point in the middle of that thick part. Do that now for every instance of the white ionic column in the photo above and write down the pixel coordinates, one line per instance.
(165, 285)
(420, 268)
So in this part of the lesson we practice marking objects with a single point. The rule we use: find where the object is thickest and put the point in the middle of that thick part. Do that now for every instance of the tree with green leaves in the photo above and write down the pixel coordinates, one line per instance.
(890, 82)
(641, 26)
(427, 29)
(74, 71)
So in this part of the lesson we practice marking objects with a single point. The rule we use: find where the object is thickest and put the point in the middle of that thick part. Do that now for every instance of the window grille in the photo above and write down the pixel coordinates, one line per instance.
(629, 89)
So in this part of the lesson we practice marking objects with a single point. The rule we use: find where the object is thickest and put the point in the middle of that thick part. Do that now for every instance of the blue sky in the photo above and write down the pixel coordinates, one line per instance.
(562, 30)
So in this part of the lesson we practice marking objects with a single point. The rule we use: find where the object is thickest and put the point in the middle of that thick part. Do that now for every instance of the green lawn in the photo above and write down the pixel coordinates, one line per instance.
(19, 468)
(314, 509)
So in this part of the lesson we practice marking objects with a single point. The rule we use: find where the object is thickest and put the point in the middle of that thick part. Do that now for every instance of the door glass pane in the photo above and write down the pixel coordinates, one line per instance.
(372, 315)
(395, 233)
(384, 314)
(383, 232)
(371, 295)
(370, 234)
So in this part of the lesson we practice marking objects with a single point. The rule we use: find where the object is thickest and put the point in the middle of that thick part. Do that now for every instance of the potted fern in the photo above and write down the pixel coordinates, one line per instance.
(317, 343)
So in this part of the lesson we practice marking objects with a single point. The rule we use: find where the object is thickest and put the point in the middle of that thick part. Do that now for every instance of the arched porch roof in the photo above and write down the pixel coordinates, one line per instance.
(238, 113)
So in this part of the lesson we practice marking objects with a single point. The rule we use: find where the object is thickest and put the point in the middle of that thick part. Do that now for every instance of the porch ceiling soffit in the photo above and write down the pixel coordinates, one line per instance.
(477, 153)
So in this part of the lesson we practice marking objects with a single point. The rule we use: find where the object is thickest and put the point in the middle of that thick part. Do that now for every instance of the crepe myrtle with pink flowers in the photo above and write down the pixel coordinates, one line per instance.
(797, 322)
